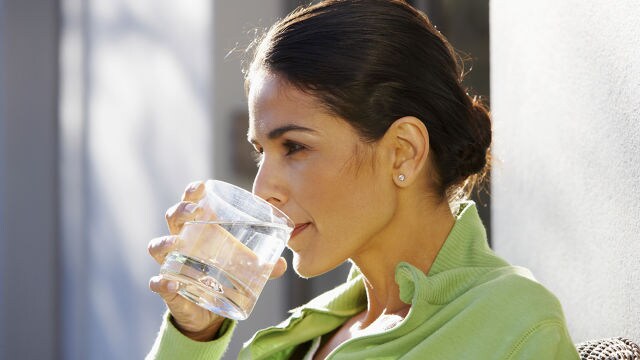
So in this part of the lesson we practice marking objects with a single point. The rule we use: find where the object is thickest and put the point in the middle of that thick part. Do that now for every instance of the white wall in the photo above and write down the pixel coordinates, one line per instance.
(146, 102)
(565, 80)
(135, 128)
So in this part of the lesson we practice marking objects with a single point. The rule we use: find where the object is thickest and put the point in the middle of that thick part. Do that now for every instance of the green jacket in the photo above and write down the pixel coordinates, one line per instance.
(471, 305)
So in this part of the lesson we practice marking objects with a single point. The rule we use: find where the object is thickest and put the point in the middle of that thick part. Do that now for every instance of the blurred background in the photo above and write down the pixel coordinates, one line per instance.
(109, 108)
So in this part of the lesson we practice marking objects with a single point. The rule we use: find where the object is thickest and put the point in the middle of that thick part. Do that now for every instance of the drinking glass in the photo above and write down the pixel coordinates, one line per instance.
(224, 257)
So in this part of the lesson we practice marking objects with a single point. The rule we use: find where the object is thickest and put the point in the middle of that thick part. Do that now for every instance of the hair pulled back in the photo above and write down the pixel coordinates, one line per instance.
(372, 62)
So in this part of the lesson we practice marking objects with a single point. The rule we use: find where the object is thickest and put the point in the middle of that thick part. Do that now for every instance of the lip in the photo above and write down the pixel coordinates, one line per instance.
(299, 228)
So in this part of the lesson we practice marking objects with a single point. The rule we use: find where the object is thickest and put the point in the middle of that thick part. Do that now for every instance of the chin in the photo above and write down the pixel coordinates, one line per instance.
(307, 268)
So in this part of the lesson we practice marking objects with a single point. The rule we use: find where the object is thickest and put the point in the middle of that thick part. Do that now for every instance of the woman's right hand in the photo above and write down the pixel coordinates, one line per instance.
(192, 320)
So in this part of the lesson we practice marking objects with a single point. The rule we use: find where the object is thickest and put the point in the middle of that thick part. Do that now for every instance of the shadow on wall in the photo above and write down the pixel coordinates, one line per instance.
(135, 129)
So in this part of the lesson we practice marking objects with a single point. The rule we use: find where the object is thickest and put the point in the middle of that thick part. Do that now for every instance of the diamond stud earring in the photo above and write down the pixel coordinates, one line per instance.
(401, 177)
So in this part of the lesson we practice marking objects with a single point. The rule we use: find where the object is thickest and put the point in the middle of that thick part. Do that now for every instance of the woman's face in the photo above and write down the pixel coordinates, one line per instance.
(314, 167)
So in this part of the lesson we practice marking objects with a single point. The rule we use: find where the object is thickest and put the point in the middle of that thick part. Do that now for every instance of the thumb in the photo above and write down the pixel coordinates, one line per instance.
(279, 268)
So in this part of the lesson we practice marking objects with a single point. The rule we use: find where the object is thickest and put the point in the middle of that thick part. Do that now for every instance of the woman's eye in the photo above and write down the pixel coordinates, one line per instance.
(292, 147)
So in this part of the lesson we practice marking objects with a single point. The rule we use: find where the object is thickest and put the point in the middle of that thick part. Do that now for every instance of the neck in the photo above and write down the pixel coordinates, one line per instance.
(414, 235)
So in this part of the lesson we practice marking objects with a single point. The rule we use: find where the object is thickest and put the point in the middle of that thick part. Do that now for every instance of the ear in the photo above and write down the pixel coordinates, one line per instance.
(409, 144)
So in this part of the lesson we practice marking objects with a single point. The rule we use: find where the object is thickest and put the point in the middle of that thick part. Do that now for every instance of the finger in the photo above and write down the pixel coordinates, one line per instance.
(180, 213)
(161, 246)
(279, 268)
(167, 289)
(194, 191)
(187, 316)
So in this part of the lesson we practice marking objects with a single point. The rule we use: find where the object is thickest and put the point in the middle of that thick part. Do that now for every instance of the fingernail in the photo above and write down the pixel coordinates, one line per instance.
(169, 240)
(172, 286)
(191, 208)
(194, 186)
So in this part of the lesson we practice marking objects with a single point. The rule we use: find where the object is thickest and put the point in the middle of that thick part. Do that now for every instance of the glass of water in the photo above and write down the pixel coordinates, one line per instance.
(223, 259)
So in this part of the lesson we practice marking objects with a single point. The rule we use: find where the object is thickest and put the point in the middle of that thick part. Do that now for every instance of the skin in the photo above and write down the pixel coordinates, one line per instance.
(345, 197)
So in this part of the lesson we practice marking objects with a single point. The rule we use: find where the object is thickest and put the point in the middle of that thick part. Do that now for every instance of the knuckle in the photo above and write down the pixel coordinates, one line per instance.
(177, 210)
(159, 245)
(171, 211)
(182, 207)
(153, 245)
(153, 284)
(150, 247)
(168, 242)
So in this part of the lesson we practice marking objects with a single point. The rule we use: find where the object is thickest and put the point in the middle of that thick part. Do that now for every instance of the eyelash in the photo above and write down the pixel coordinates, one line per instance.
(290, 146)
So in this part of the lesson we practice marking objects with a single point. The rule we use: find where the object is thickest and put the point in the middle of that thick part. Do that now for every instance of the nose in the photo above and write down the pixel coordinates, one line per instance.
(269, 184)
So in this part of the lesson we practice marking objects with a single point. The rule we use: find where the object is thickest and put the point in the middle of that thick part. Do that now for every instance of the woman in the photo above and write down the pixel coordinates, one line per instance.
(370, 144)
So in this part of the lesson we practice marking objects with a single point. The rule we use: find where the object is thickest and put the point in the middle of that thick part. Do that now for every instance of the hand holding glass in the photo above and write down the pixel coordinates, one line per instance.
(223, 260)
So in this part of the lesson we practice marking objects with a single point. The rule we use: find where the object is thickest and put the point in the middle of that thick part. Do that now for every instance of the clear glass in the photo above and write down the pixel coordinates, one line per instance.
(223, 259)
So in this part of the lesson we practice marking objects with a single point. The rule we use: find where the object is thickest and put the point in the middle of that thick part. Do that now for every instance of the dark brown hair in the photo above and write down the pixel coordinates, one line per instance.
(372, 62)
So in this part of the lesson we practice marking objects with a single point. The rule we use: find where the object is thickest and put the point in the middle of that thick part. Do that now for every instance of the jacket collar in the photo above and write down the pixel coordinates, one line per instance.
(463, 258)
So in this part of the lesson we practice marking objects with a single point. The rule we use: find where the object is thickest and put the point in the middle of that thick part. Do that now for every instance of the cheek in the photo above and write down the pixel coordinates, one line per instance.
(323, 190)
(343, 201)
(347, 209)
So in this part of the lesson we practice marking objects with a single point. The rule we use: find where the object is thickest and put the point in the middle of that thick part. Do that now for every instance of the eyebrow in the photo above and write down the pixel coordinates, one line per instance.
(279, 131)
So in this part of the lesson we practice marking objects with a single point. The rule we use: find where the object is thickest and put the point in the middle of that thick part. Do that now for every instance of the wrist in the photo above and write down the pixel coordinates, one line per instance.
(207, 334)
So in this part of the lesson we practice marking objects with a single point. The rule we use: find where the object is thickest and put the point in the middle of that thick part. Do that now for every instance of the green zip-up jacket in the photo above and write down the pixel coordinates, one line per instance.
(471, 305)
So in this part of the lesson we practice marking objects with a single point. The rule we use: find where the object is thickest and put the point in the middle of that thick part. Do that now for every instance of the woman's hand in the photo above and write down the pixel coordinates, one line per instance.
(192, 320)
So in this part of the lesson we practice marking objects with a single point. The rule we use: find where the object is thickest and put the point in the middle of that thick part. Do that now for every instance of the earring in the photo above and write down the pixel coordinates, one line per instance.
(401, 177)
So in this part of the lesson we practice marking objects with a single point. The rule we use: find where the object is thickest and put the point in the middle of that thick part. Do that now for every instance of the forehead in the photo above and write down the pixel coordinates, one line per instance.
(273, 102)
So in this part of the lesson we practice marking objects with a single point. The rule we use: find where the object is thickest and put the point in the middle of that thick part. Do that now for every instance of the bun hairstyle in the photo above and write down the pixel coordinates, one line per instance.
(372, 62)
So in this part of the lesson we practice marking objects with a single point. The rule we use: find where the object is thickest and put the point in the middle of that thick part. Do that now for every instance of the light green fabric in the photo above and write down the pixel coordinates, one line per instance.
(471, 305)
(170, 344)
